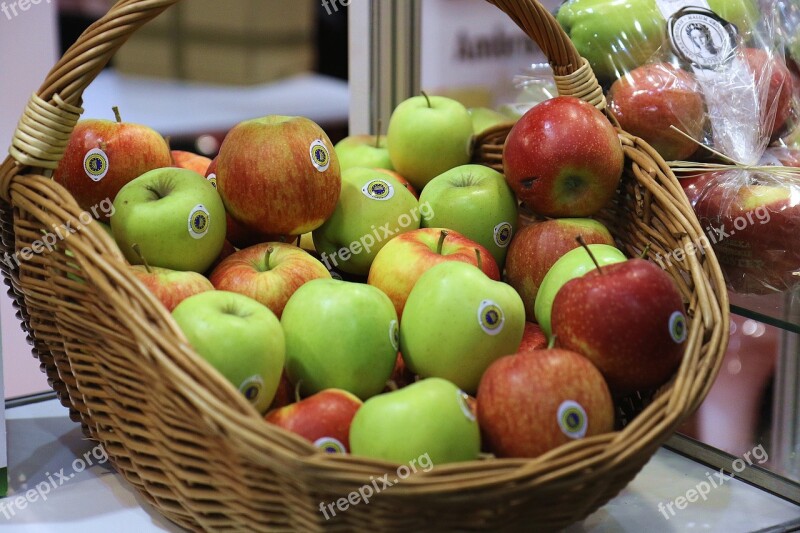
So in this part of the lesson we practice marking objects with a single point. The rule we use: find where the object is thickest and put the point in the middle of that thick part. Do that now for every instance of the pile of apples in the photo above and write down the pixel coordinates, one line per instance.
(353, 293)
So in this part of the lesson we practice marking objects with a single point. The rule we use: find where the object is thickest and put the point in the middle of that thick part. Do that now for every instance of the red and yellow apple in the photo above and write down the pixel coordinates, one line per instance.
(171, 287)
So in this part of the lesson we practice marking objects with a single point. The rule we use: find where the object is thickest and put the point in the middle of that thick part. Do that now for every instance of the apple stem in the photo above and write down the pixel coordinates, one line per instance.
(645, 251)
(479, 258)
(297, 390)
(378, 134)
(117, 116)
(439, 245)
(138, 251)
(427, 98)
(270, 249)
(582, 242)
(298, 240)
(551, 342)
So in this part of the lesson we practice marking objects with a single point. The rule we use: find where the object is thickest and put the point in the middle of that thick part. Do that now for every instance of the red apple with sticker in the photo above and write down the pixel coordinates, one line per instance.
(278, 175)
(400, 263)
(269, 273)
(533, 402)
(537, 246)
(102, 156)
(323, 419)
(533, 338)
(563, 158)
(628, 319)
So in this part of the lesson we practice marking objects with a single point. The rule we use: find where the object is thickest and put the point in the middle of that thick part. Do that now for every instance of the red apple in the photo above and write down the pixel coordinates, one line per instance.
(171, 286)
(628, 319)
(536, 247)
(227, 250)
(323, 419)
(786, 156)
(401, 375)
(278, 175)
(400, 263)
(651, 98)
(533, 402)
(190, 161)
(102, 156)
(285, 394)
(563, 158)
(533, 338)
(779, 86)
(752, 221)
(268, 272)
(242, 236)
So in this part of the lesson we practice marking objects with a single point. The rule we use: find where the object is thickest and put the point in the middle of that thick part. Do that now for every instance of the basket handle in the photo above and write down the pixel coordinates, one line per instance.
(52, 112)
(573, 75)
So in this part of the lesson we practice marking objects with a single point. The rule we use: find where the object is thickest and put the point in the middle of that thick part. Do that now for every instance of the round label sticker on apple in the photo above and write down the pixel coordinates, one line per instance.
(702, 38)
(490, 317)
(199, 221)
(320, 157)
(677, 327)
(95, 163)
(251, 388)
(378, 190)
(572, 419)
(394, 334)
(330, 445)
(502, 234)
(463, 402)
(212, 178)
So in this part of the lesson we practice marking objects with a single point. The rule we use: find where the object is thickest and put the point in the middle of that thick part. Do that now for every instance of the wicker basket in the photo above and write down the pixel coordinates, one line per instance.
(197, 450)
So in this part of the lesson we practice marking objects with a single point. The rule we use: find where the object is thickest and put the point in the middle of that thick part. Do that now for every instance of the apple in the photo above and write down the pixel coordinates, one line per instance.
(340, 335)
(190, 161)
(563, 158)
(533, 402)
(752, 223)
(269, 273)
(537, 246)
(772, 76)
(323, 419)
(171, 287)
(242, 236)
(227, 250)
(427, 136)
(363, 151)
(401, 375)
(429, 419)
(533, 338)
(484, 118)
(404, 182)
(239, 337)
(285, 394)
(402, 260)
(278, 175)
(174, 215)
(649, 99)
(572, 264)
(211, 172)
(457, 321)
(628, 319)
(371, 207)
(103, 155)
(475, 201)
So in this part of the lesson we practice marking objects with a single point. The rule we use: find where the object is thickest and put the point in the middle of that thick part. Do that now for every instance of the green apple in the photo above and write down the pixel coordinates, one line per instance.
(368, 151)
(572, 264)
(457, 321)
(239, 337)
(340, 335)
(428, 419)
(427, 136)
(476, 201)
(372, 208)
(484, 118)
(174, 215)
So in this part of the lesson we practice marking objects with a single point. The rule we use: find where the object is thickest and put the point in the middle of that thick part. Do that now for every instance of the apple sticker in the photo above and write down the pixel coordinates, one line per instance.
(490, 317)
(212, 178)
(394, 334)
(199, 221)
(378, 190)
(330, 445)
(463, 402)
(320, 157)
(677, 327)
(572, 419)
(95, 163)
(251, 388)
(502, 234)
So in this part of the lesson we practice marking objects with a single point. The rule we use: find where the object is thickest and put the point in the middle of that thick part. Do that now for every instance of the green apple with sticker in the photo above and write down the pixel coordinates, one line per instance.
(239, 337)
(431, 419)
(174, 215)
(340, 335)
(475, 201)
(372, 208)
(457, 321)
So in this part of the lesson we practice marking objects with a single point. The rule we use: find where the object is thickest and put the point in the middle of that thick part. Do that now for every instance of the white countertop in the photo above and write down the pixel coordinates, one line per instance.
(42, 441)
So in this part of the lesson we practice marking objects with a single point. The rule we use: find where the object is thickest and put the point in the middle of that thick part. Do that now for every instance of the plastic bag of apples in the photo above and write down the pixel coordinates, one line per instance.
(706, 83)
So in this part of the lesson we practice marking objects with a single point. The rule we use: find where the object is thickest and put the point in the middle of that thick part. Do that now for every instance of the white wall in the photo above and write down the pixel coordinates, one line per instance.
(28, 48)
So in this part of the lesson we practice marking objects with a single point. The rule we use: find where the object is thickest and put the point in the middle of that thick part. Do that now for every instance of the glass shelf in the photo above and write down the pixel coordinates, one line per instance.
(779, 310)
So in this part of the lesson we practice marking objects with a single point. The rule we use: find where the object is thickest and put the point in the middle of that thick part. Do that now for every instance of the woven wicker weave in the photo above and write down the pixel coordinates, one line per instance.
(196, 449)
